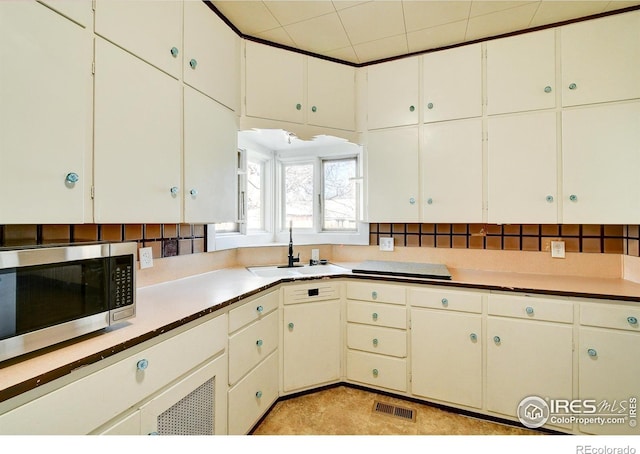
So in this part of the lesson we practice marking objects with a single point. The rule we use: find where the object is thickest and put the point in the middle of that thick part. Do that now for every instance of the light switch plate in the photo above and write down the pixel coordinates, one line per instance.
(557, 249)
(146, 257)
(386, 244)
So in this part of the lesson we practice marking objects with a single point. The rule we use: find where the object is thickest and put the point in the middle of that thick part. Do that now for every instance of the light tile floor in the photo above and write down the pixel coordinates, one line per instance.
(345, 410)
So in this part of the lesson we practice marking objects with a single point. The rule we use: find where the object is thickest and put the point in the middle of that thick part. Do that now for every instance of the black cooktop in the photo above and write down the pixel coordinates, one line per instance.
(406, 269)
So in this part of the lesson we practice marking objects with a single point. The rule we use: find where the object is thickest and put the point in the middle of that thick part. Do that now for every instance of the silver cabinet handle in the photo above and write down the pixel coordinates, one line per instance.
(549, 198)
(174, 52)
(632, 320)
(142, 364)
(430, 106)
(592, 352)
(429, 201)
(529, 310)
(445, 302)
(174, 190)
(193, 63)
(193, 192)
(473, 337)
(573, 198)
(412, 200)
(547, 89)
(71, 178)
(497, 339)
(572, 86)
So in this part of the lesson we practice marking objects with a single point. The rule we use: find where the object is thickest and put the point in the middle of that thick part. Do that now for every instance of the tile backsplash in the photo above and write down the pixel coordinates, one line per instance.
(166, 240)
(609, 239)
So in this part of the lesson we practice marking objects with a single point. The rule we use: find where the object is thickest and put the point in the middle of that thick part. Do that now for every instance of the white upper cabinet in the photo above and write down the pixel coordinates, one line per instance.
(79, 11)
(452, 84)
(601, 60)
(521, 73)
(451, 171)
(211, 57)
(274, 83)
(45, 116)
(393, 93)
(137, 140)
(392, 175)
(522, 171)
(149, 29)
(331, 91)
(601, 164)
(210, 153)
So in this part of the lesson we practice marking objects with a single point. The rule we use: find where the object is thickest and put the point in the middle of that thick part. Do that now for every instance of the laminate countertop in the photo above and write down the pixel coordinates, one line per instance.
(168, 305)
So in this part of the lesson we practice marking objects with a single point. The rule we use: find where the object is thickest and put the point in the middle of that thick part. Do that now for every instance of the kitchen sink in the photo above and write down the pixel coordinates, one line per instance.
(298, 271)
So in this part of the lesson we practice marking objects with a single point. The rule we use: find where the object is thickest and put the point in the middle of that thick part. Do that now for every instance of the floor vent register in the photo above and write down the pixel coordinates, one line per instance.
(393, 410)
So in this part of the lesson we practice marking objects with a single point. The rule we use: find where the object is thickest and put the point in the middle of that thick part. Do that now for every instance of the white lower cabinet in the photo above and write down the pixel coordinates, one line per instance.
(312, 339)
(609, 367)
(446, 345)
(529, 351)
(107, 393)
(253, 361)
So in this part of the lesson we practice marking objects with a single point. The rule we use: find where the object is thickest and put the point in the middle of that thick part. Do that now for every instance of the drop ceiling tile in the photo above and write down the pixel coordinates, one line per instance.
(373, 20)
(342, 4)
(556, 11)
(319, 34)
(277, 35)
(289, 12)
(501, 22)
(482, 7)
(382, 48)
(345, 54)
(435, 37)
(250, 17)
(419, 15)
(614, 5)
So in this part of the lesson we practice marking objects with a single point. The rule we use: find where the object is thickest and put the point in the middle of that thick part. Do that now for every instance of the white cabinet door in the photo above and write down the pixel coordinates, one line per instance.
(45, 116)
(522, 169)
(601, 59)
(195, 405)
(312, 344)
(393, 93)
(137, 143)
(331, 94)
(452, 171)
(150, 30)
(79, 11)
(211, 55)
(446, 356)
(601, 164)
(210, 153)
(521, 73)
(452, 83)
(527, 358)
(274, 83)
(392, 175)
(609, 367)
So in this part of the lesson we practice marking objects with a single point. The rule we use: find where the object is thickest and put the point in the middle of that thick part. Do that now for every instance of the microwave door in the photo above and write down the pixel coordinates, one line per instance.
(7, 304)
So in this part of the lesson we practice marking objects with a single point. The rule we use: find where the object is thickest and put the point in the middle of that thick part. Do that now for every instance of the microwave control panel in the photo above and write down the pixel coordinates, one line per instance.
(123, 286)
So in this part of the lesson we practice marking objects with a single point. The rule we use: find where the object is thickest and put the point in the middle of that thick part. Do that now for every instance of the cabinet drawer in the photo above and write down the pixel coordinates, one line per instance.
(371, 291)
(252, 311)
(253, 396)
(377, 370)
(105, 394)
(251, 345)
(377, 314)
(385, 341)
(318, 291)
(531, 308)
(445, 299)
(610, 316)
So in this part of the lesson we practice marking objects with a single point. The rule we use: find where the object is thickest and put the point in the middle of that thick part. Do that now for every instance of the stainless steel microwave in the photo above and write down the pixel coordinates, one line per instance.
(52, 294)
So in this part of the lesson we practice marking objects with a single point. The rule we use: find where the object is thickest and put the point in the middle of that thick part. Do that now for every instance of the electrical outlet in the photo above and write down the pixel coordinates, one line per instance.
(386, 244)
(557, 249)
(315, 255)
(146, 257)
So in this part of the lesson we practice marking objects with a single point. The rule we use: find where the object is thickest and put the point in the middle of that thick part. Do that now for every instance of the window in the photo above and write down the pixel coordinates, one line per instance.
(330, 182)
(255, 193)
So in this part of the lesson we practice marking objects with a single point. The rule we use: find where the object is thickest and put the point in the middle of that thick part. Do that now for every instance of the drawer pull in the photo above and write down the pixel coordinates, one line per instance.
(259, 394)
(529, 310)
(259, 342)
(632, 320)
(375, 342)
(290, 325)
(473, 337)
(374, 295)
(374, 316)
(260, 309)
(592, 352)
(497, 339)
(375, 372)
(445, 302)
(142, 364)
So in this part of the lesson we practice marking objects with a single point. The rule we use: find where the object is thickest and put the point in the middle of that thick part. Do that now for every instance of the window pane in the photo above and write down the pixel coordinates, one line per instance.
(227, 227)
(255, 201)
(339, 205)
(298, 195)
